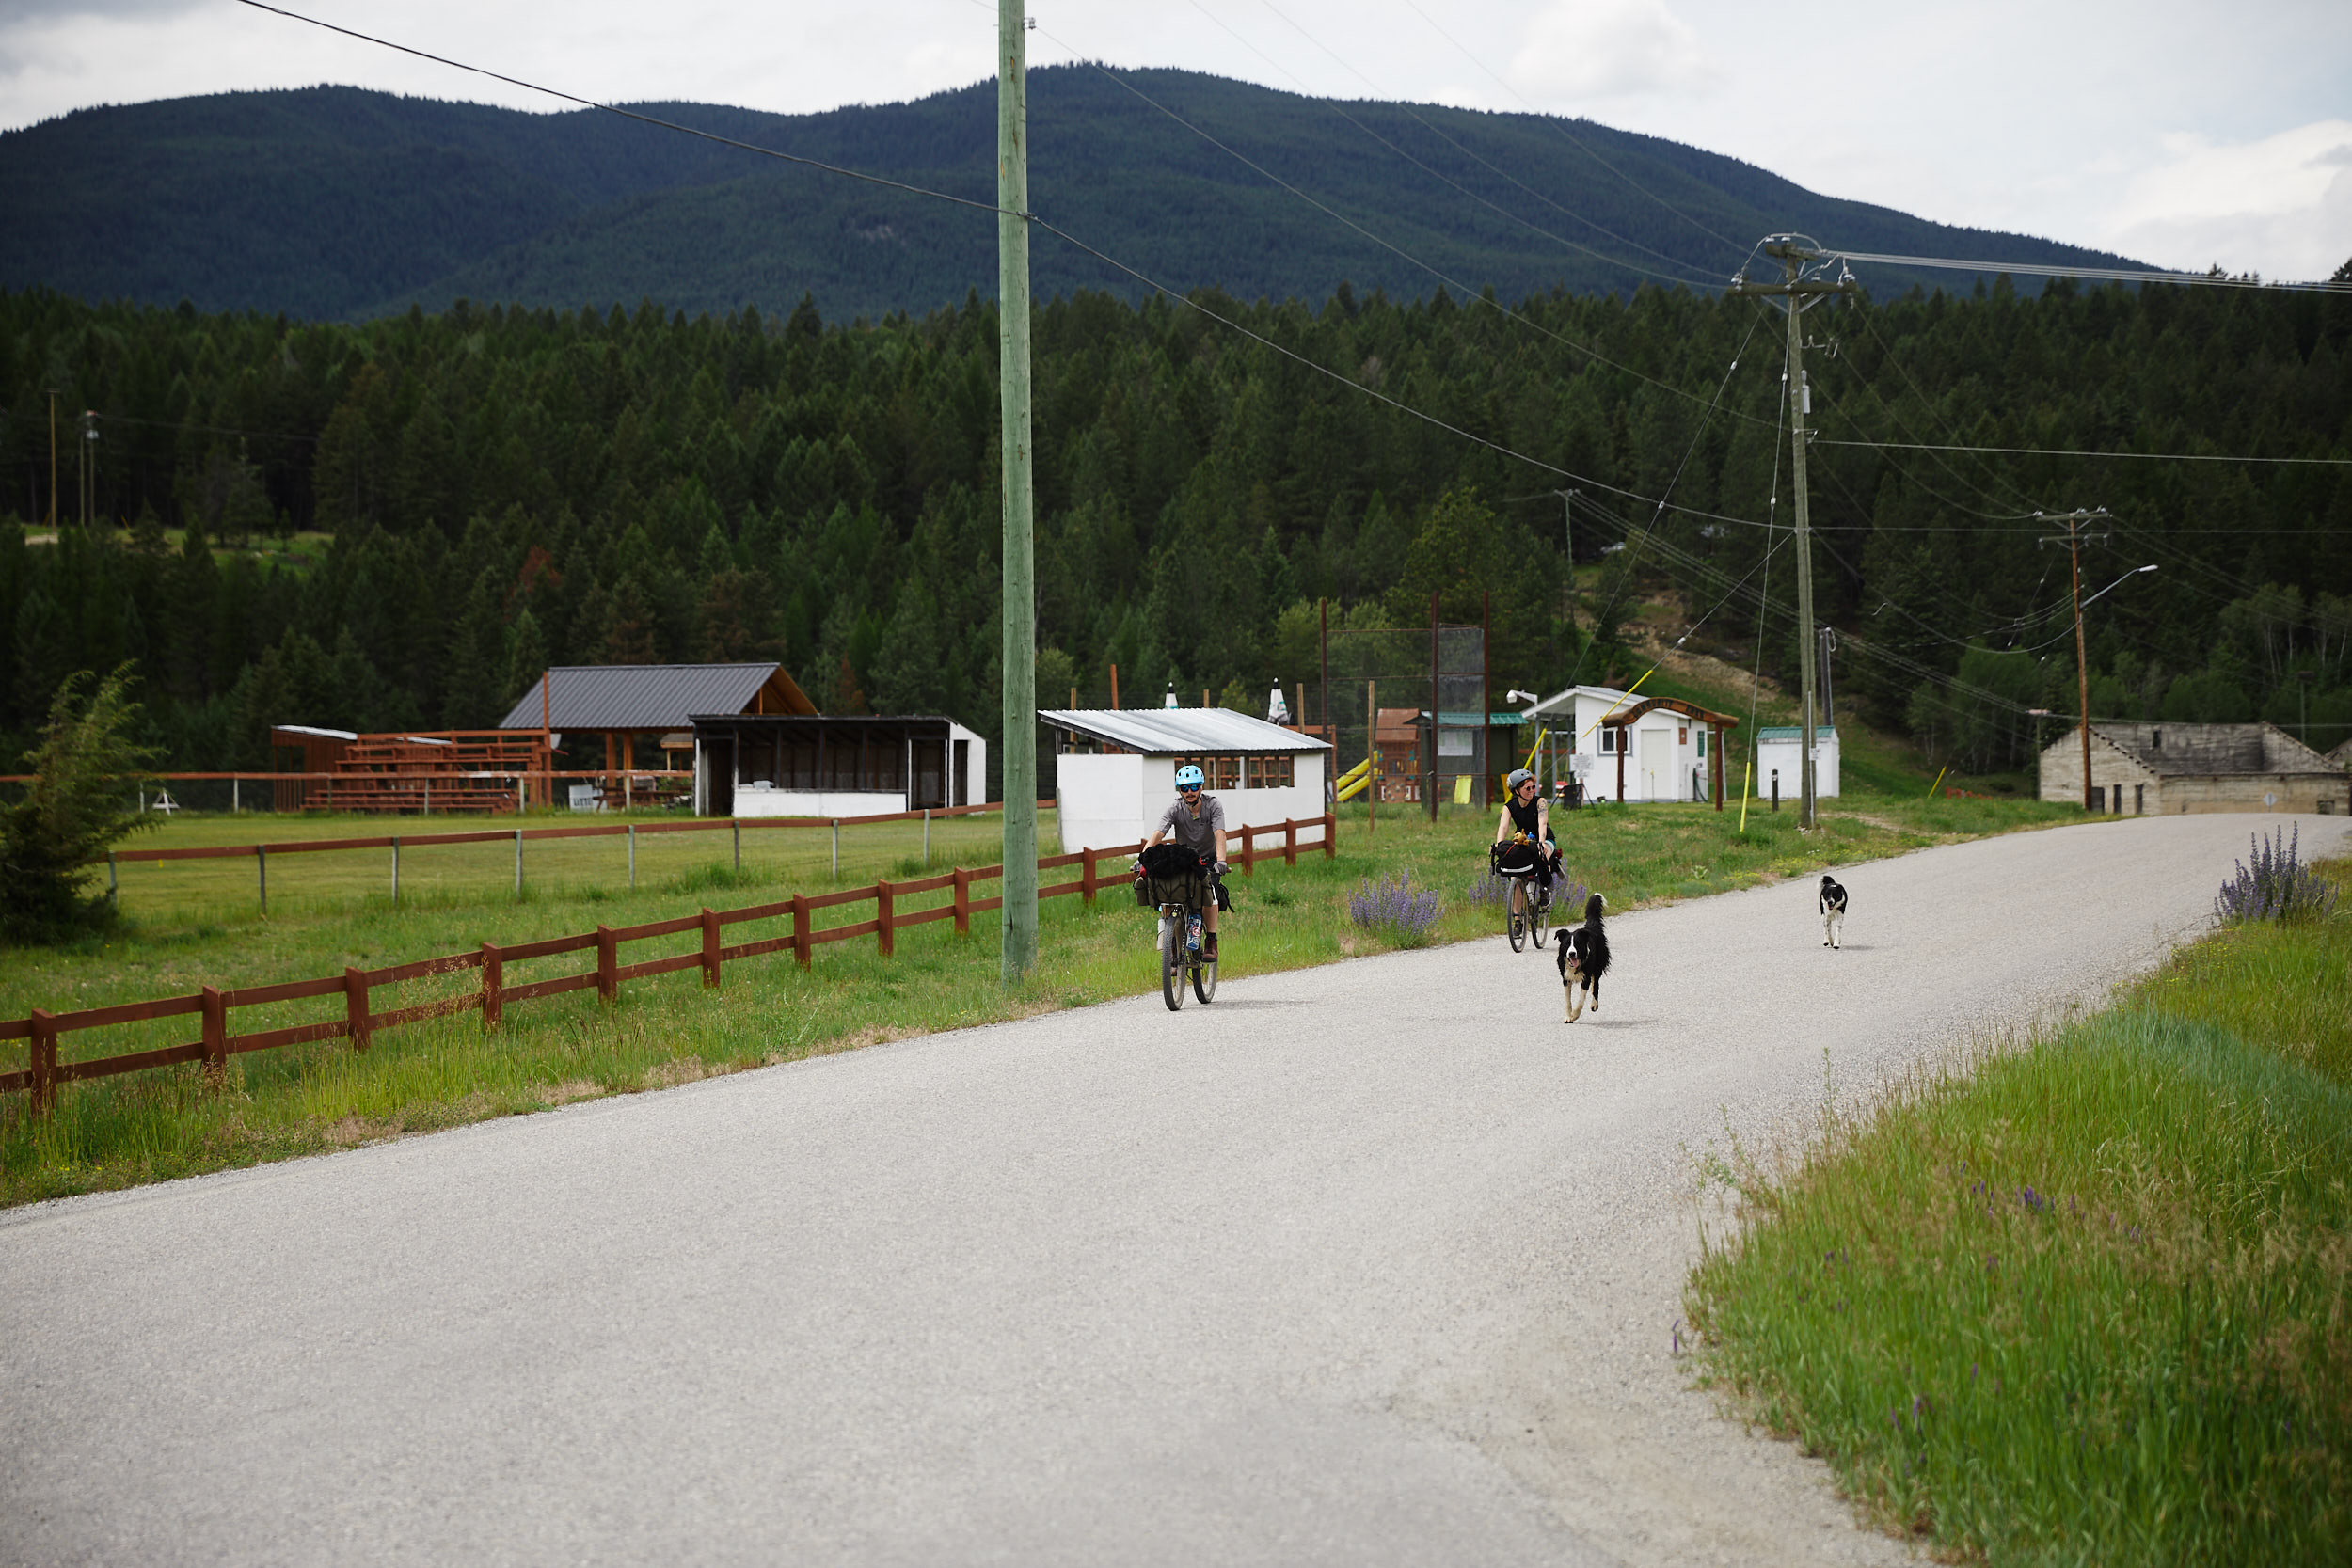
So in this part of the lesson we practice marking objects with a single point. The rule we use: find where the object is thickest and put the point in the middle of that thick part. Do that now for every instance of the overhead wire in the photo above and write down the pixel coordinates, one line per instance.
(1702, 278)
(1573, 138)
(1480, 296)
(2106, 275)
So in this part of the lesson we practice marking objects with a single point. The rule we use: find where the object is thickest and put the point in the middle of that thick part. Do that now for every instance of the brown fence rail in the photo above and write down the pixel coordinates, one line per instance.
(360, 1021)
(260, 853)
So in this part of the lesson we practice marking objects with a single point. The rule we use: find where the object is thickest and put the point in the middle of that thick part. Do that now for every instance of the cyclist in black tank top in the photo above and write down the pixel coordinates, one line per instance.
(1526, 816)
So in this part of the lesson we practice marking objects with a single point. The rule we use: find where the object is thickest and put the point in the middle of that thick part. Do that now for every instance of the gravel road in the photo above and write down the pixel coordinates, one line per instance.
(1372, 1263)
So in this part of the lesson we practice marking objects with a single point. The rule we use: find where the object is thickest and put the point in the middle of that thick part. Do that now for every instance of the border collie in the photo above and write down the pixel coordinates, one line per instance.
(1583, 959)
(1833, 911)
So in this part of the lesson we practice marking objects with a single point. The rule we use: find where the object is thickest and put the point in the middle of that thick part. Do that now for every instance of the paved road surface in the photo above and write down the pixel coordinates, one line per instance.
(1374, 1263)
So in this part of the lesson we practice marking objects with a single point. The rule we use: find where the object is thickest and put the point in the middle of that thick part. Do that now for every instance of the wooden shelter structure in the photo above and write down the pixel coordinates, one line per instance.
(423, 771)
(577, 706)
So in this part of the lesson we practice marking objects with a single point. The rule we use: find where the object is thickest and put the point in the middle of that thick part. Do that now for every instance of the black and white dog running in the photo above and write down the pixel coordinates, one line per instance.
(1833, 911)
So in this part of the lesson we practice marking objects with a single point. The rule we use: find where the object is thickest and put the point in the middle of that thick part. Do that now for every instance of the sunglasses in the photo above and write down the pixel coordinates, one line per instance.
(1188, 789)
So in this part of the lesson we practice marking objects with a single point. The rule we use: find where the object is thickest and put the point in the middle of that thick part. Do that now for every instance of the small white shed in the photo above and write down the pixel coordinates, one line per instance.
(1780, 748)
(1634, 748)
(1117, 770)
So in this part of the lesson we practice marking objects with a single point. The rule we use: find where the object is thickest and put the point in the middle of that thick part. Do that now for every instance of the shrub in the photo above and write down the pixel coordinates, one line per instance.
(1392, 910)
(77, 807)
(2276, 885)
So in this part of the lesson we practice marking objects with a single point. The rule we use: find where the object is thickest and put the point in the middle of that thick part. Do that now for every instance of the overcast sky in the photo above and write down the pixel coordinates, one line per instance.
(2181, 134)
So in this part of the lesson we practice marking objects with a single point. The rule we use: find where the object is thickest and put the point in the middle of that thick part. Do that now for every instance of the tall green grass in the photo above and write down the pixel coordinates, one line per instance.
(2092, 1303)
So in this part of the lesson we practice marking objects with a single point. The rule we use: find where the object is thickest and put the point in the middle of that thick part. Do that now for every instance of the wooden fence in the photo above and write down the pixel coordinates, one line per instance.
(260, 853)
(359, 1021)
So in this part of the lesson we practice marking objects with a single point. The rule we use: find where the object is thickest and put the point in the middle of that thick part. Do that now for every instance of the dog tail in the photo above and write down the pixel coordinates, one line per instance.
(1591, 910)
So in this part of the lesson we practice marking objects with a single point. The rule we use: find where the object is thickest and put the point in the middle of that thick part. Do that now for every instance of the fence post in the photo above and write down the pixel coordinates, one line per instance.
(885, 935)
(800, 928)
(964, 902)
(1249, 851)
(1331, 833)
(261, 873)
(428, 798)
(235, 805)
(710, 946)
(607, 965)
(519, 795)
(395, 871)
(355, 1006)
(518, 862)
(114, 884)
(837, 848)
(1089, 883)
(1290, 841)
(737, 823)
(633, 856)
(215, 1037)
(493, 985)
(927, 838)
(45, 1063)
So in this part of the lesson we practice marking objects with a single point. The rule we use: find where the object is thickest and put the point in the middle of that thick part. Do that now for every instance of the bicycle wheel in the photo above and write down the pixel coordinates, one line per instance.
(1173, 962)
(1542, 921)
(1204, 980)
(1518, 924)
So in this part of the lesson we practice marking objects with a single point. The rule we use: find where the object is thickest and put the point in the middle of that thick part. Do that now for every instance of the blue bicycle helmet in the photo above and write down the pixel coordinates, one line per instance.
(1188, 777)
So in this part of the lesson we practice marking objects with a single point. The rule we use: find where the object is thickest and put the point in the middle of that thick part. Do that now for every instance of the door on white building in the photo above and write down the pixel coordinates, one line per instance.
(1656, 760)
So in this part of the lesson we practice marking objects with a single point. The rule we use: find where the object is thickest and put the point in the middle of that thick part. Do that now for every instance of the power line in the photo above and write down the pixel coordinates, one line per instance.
(1478, 295)
(630, 113)
(2105, 275)
(2069, 452)
(1415, 116)
(1574, 140)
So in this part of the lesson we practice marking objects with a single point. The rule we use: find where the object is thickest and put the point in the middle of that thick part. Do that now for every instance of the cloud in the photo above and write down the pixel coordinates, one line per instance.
(1582, 49)
(2282, 206)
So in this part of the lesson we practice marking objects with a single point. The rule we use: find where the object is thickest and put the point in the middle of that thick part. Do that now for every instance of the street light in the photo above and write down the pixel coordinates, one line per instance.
(2082, 670)
(2121, 581)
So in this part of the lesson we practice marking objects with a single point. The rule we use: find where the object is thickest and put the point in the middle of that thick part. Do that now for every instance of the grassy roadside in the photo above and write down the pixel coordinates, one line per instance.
(157, 1125)
(2091, 1303)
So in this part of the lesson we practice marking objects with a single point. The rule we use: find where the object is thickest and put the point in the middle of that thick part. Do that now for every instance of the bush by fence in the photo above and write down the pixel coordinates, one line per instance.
(360, 1020)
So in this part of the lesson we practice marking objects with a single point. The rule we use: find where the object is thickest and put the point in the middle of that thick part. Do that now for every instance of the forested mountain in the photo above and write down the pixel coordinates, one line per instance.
(507, 487)
(334, 203)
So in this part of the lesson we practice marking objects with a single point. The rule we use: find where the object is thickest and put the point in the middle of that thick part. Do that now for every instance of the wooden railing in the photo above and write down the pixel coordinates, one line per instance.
(260, 853)
(360, 1021)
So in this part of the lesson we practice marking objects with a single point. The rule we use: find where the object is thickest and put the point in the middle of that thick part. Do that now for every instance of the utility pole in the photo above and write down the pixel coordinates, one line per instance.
(1019, 953)
(88, 464)
(1798, 294)
(2073, 540)
(53, 462)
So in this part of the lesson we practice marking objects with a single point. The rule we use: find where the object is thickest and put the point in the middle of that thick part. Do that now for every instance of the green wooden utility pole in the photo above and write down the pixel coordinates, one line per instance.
(1013, 325)
(1800, 294)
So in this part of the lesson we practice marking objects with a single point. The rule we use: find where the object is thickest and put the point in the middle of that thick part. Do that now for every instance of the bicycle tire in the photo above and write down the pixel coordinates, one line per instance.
(1519, 932)
(1204, 980)
(1172, 963)
(1542, 921)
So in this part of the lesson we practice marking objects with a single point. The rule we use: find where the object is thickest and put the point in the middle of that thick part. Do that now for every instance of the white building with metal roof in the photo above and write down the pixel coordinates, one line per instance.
(1117, 770)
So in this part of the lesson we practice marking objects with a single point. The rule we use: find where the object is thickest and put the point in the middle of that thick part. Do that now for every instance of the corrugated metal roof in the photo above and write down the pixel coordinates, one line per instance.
(1177, 731)
(637, 696)
(1796, 731)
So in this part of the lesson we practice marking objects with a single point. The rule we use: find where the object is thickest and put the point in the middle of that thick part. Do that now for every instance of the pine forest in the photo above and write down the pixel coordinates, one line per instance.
(401, 522)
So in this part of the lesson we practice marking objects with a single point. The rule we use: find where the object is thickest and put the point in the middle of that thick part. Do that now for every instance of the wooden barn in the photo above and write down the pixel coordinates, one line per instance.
(605, 717)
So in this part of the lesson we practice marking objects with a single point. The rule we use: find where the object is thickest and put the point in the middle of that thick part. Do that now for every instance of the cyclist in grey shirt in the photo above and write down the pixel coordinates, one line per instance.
(1195, 820)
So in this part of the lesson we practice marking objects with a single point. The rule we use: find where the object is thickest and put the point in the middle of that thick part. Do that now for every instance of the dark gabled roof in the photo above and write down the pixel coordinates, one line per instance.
(651, 696)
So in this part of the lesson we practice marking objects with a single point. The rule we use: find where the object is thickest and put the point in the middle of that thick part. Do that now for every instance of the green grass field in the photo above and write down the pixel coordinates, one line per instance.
(162, 1123)
(2091, 1302)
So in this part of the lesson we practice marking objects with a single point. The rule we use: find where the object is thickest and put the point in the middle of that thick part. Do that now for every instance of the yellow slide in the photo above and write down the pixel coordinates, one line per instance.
(1351, 782)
